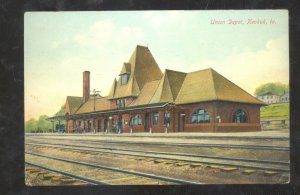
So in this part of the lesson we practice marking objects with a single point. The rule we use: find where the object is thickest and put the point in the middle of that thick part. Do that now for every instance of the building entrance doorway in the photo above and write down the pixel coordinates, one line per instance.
(120, 124)
(181, 121)
(147, 122)
(90, 125)
(105, 124)
(99, 125)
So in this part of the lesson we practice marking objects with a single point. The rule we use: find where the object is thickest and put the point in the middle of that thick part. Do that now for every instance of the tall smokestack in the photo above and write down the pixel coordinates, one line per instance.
(86, 86)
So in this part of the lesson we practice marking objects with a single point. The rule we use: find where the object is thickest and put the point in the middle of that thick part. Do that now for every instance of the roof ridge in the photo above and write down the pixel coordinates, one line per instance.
(206, 69)
(141, 46)
(79, 107)
(213, 82)
(74, 96)
(149, 83)
(235, 85)
(181, 87)
(162, 86)
(174, 71)
(171, 74)
(169, 85)
(157, 90)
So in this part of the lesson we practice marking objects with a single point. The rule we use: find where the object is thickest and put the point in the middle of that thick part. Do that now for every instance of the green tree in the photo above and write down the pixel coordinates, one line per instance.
(61, 112)
(274, 88)
(43, 124)
(30, 125)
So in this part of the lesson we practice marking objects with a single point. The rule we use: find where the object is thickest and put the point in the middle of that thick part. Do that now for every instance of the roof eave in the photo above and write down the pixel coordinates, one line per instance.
(211, 100)
(139, 107)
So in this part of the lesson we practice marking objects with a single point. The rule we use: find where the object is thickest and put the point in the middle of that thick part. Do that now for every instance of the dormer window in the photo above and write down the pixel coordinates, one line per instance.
(124, 79)
(121, 103)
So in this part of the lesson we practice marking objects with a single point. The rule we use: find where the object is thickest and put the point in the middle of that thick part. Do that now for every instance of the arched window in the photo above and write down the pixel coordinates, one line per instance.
(136, 120)
(240, 116)
(200, 116)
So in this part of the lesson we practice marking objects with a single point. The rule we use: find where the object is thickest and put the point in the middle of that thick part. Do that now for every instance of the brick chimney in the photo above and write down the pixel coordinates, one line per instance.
(86, 86)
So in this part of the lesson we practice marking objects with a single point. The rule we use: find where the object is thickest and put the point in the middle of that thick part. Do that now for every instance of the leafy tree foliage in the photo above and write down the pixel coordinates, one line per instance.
(41, 124)
(30, 125)
(274, 88)
(61, 112)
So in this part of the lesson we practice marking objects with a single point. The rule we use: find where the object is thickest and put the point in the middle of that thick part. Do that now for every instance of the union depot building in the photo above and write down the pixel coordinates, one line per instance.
(145, 99)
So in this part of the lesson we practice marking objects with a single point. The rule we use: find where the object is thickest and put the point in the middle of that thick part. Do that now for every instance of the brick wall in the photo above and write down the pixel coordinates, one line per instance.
(227, 109)
(224, 110)
(113, 103)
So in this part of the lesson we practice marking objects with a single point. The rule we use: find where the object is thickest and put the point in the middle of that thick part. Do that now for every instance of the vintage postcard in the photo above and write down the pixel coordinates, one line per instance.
(156, 97)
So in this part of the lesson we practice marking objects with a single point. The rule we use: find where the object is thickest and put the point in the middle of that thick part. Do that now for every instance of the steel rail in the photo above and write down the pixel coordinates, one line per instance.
(136, 173)
(164, 153)
(165, 136)
(78, 178)
(185, 160)
(235, 146)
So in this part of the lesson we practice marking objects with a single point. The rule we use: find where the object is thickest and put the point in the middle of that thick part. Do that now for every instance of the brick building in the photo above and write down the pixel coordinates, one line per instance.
(143, 99)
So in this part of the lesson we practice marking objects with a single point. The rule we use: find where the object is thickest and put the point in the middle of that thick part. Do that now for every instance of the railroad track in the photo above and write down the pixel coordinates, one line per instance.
(198, 145)
(154, 152)
(65, 174)
(166, 136)
(112, 170)
(229, 162)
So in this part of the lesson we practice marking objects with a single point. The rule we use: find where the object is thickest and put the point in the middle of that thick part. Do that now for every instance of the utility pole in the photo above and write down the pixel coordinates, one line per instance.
(95, 92)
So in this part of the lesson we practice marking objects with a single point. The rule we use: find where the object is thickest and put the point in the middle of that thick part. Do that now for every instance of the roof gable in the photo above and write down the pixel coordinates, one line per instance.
(175, 80)
(143, 69)
(227, 90)
(207, 85)
(72, 104)
(100, 104)
(112, 89)
(169, 86)
(146, 68)
(197, 86)
(146, 93)
(126, 68)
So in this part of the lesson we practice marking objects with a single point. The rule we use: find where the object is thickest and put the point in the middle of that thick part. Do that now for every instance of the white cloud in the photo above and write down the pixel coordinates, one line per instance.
(80, 39)
(55, 44)
(162, 19)
(105, 32)
(249, 69)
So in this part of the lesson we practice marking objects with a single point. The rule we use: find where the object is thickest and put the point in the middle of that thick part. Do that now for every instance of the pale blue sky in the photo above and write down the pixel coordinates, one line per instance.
(59, 46)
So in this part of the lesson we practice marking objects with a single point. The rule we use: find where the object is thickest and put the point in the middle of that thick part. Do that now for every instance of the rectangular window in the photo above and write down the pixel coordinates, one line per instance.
(124, 79)
(120, 103)
(136, 120)
(167, 118)
(155, 118)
